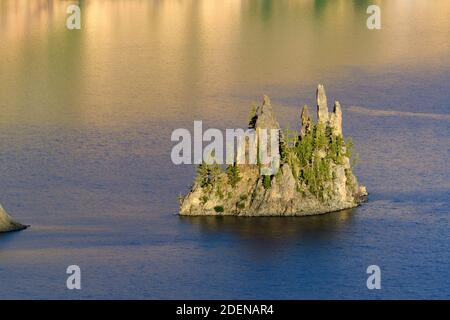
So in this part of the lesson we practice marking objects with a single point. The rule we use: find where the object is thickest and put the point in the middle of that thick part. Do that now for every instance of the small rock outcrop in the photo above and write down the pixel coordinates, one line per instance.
(314, 176)
(7, 223)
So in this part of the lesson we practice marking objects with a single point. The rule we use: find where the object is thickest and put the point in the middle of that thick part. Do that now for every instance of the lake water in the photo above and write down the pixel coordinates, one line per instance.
(85, 123)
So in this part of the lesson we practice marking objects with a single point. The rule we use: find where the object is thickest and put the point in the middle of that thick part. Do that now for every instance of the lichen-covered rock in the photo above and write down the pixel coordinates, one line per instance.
(306, 122)
(315, 175)
(7, 223)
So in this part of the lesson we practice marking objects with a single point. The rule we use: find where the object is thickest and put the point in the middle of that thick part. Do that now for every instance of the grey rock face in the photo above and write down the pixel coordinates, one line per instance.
(315, 175)
(265, 116)
(336, 119)
(7, 223)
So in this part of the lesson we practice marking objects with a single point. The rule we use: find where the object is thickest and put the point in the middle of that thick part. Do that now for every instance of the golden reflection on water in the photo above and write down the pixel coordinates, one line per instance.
(157, 60)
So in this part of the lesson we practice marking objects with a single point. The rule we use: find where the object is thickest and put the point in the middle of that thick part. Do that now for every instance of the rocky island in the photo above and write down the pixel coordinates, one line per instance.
(314, 177)
(7, 223)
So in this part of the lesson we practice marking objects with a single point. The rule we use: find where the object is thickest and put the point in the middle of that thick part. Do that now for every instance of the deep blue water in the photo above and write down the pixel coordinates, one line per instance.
(105, 199)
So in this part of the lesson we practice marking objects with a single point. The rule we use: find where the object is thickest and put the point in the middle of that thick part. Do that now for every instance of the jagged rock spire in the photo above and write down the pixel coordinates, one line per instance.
(266, 122)
(306, 121)
(263, 119)
(336, 119)
(322, 105)
(266, 104)
(332, 119)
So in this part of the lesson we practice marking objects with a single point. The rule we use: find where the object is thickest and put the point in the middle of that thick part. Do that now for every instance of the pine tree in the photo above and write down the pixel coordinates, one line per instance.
(233, 175)
(267, 182)
(202, 177)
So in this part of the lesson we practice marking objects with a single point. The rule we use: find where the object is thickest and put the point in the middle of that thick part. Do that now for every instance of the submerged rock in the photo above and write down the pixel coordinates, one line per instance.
(314, 177)
(336, 119)
(7, 223)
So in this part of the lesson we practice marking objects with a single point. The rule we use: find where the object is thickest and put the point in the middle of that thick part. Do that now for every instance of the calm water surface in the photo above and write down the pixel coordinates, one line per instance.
(85, 125)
